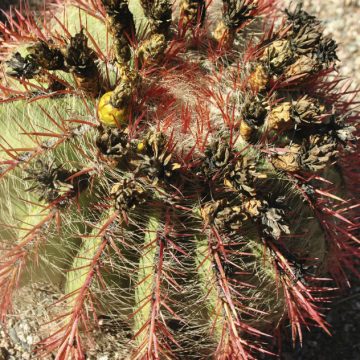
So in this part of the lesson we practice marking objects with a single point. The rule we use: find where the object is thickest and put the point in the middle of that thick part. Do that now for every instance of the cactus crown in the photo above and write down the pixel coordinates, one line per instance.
(180, 169)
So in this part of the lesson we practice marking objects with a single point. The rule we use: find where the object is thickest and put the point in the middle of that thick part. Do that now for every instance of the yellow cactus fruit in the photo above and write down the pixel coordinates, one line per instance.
(110, 115)
(141, 146)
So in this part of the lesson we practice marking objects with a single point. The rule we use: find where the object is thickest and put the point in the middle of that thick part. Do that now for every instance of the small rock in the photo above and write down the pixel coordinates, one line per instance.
(13, 335)
(26, 356)
(30, 339)
(103, 357)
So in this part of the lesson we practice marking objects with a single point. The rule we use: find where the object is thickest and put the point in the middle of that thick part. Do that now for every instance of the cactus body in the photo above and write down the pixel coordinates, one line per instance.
(183, 173)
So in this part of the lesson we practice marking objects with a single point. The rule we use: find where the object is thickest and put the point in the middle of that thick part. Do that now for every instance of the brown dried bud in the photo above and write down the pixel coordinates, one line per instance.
(123, 92)
(284, 116)
(223, 35)
(307, 39)
(223, 215)
(80, 60)
(280, 118)
(273, 222)
(242, 175)
(47, 55)
(127, 195)
(155, 160)
(237, 12)
(253, 115)
(246, 130)
(307, 110)
(217, 157)
(304, 65)
(54, 184)
(22, 67)
(159, 14)
(318, 151)
(346, 133)
(252, 207)
(259, 78)
(271, 219)
(192, 12)
(122, 27)
(289, 160)
(277, 55)
(326, 51)
(113, 142)
(300, 18)
(151, 49)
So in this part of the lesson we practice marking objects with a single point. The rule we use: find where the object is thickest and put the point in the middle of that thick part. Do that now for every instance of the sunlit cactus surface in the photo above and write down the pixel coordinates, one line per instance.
(185, 170)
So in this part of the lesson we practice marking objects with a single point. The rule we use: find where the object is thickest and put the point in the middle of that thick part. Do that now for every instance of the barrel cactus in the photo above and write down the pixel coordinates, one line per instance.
(186, 170)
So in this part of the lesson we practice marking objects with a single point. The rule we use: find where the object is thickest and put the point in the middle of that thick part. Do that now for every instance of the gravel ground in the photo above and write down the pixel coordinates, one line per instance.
(341, 20)
(23, 328)
(29, 324)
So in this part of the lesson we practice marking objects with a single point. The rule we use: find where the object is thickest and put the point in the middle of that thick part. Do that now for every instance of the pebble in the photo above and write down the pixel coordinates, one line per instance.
(341, 20)
(103, 357)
